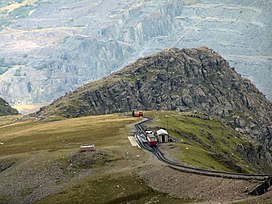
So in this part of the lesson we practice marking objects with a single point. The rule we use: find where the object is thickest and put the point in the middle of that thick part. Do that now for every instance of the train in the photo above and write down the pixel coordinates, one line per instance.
(137, 113)
(151, 140)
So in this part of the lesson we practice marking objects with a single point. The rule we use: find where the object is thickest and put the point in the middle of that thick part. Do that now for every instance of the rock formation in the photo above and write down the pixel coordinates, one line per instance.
(51, 47)
(176, 79)
(6, 109)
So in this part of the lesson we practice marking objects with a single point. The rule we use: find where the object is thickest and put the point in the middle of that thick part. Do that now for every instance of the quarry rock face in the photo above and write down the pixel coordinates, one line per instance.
(176, 79)
(49, 48)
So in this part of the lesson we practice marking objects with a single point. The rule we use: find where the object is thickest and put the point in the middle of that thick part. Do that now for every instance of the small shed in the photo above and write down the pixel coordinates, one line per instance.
(87, 148)
(162, 135)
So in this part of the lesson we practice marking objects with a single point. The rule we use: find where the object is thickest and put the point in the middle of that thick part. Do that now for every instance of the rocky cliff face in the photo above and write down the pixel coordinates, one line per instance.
(51, 47)
(174, 79)
(6, 109)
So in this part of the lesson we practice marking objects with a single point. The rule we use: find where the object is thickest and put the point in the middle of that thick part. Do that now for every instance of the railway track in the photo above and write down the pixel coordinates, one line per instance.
(139, 135)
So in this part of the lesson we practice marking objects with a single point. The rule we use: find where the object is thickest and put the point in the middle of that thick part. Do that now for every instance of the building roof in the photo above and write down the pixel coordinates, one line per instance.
(162, 132)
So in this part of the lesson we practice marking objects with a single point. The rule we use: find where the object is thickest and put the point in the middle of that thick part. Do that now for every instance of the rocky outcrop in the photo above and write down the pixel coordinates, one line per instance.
(6, 109)
(176, 79)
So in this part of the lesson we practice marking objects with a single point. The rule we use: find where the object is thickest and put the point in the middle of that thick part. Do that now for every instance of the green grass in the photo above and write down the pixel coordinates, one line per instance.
(198, 157)
(4, 120)
(204, 143)
(113, 188)
(27, 192)
(266, 200)
(27, 136)
(5, 199)
(114, 180)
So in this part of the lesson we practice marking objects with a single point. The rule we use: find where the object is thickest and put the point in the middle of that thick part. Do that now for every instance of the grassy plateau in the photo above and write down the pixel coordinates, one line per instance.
(40, 160)
(38, 154)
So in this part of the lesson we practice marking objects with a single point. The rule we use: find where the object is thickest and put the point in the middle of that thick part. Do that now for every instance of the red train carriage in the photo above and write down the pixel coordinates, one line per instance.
(137, 113)
(152, 140)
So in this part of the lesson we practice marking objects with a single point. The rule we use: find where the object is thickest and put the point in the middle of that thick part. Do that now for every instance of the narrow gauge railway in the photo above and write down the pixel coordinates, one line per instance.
(140, 137)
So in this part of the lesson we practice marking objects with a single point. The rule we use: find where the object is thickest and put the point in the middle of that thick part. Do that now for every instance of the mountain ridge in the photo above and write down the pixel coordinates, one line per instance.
(196, 79)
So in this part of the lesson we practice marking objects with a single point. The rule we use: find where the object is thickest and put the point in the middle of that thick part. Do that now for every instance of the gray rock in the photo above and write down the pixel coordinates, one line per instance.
(66, 43)
(6, 109)
(149, 84)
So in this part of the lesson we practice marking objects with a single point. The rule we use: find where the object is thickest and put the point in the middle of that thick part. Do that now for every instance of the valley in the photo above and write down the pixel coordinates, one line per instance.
(28, 108)
(52, 47)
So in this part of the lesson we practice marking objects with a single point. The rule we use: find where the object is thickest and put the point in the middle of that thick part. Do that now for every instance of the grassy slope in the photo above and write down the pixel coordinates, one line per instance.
(117, 182)
(29, 136)
(204, 143)
(115, 188)
(58, 139)
(256, 201)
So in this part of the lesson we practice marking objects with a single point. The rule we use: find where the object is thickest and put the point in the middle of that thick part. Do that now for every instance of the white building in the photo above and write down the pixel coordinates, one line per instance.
(87, 148)
(162, 135)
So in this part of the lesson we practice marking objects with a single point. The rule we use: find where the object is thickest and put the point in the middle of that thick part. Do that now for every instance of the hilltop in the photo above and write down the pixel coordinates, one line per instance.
(196, 79)
(6, 109)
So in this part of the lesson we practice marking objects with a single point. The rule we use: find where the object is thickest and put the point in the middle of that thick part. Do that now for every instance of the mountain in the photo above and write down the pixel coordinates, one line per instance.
(175, 79)
(6, 109)
(50, 47)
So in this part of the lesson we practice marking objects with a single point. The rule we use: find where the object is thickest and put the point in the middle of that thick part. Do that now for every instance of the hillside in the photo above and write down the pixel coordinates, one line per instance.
(40, 162)
(176, 79)
(50, 47)
(40, 159)
(6, 109)
(206, 143)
